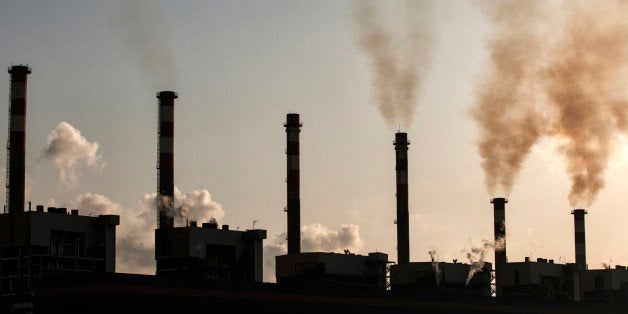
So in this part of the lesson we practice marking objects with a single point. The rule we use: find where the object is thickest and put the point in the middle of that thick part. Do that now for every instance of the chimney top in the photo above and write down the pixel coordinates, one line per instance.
(499, 200)
(292, 119)
(20, 68)
(579, 211)
(401, 138)
(168, 94)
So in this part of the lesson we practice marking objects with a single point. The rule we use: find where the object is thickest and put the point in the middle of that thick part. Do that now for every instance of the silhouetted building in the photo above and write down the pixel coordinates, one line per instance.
(606, 285)
(542, 279)
(39, 244)
(207, 252)
(441, 277)
(332, 269)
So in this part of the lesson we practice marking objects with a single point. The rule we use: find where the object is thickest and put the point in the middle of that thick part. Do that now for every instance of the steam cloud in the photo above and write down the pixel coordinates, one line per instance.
(314, 238)
(574, 78)
(67, 149)
(400, 55)
(476, 254)
(434, 258)
(135, 241)
(141, 27)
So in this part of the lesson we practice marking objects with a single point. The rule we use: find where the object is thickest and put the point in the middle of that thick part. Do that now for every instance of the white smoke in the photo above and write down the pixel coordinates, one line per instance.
(475, 255)
(434, 258)
(67, 149)
(134, 236)
(314, 238)
(277, 246)
(135, 240)
(317, 237)
(197, 205)
(143, 31)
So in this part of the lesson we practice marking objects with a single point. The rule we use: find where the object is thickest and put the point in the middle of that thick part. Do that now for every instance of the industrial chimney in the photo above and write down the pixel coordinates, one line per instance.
(581, 251)
(401, 167)
(293, 128)
(16, 148)
(165, 162)
(499, 219)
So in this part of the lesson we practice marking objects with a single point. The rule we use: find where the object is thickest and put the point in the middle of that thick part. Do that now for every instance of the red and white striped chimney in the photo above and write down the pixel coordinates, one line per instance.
(293, 128)
(401, 168)
(579, 237)
(165, 172)
(16, 148)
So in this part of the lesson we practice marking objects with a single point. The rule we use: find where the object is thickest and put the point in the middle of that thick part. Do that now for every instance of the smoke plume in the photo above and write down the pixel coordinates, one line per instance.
(67, 149)
(135, 241)
(277, 246)
(585, 84)
(475, 255)
(196, 205)
(400, 55)
(143, 31)
(574, 74)
(317, 238)
(505, 110)
(434, 258)
(314, 238)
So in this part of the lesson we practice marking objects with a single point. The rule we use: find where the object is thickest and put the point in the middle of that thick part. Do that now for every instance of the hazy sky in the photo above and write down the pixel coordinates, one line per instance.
(239, 67)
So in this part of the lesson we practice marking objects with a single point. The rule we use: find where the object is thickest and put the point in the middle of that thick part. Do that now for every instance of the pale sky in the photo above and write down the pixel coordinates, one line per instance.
(241, 67)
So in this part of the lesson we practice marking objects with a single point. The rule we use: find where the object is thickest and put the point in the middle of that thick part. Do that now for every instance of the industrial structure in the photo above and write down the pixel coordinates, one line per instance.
(319, 268)
(401, 169)
(39, 245)
(192, 251)
(440, 277)
(16, 146)
(56, 260)
(499, 227)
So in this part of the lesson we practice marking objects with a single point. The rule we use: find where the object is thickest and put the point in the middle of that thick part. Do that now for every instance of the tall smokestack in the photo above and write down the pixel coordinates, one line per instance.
(581, 250)
(499, 219)
(401, 167)
(165, 173)
(16, 148)
(293, 128)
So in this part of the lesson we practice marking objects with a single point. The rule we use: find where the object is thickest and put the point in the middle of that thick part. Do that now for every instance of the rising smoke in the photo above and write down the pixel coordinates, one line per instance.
(143, 31)
(314, 238)
(566, 83)
(135, 241)
(475, 255)
(434, 258)
(509, 122)
(585, 83)
(399, 48)
(67, 149)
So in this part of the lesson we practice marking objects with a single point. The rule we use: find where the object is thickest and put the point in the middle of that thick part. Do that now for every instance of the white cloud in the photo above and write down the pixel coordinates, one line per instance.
(314, 238)
(67, 149)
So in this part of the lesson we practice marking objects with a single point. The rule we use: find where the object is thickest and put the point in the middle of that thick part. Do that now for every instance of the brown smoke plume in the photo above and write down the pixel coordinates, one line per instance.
(399, 63)
(141, 26)
(509, 122)
(584, 82)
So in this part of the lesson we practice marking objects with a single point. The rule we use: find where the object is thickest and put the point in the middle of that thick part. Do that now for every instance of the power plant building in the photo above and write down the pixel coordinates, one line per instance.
(333, 269)
(38, 244)
(197, 252)
(441, 277)
(207, 252)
